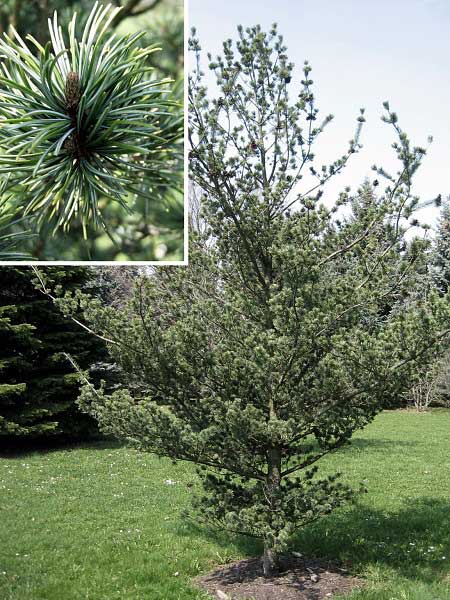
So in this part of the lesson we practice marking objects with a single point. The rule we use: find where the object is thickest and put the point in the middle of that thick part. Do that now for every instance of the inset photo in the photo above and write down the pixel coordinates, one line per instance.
(91, 131)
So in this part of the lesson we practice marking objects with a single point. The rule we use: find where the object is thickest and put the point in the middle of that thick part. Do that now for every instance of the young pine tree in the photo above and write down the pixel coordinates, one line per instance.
(274, 345)
(38, 388)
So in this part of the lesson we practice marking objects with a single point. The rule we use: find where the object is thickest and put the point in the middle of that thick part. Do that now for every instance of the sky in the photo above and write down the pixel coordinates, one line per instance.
(361, 53)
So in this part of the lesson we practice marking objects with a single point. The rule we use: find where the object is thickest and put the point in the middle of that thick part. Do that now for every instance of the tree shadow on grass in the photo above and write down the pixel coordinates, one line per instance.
(20, 448)
(244, 545)
(414, 541)
(360, 444)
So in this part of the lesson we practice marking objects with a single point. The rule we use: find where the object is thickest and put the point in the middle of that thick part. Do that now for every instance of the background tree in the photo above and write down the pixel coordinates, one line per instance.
(441, 254)
(117, 283)
(274, 345)
(10, 239)
(38, 388)
(143, 212)
(412, 279)
(437, 378)
(31, 17)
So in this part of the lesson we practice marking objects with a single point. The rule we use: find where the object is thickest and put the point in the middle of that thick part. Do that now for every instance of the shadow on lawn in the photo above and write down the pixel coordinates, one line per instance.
(412, 541)
(244, 545)
(20, 448)
(378, 445)
(415, 541)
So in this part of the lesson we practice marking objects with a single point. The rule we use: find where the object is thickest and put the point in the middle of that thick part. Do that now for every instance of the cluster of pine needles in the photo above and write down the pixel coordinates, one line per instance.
(84, 118)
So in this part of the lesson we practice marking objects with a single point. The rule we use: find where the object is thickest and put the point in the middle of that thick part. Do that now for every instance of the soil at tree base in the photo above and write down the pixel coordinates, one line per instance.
(298, 579)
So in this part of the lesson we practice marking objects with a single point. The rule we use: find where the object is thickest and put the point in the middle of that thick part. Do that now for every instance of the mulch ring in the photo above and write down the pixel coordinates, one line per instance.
(298, 579)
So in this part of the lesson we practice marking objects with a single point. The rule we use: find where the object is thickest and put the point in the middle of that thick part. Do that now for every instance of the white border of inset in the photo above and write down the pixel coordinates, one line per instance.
(156, 263)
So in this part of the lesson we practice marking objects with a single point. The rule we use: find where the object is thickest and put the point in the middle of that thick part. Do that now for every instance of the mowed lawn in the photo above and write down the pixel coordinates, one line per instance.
(103, 522)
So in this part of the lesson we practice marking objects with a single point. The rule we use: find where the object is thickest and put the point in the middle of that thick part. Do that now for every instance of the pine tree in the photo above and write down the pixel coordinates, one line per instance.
(38, 388)
(272, 347)
(441, 255)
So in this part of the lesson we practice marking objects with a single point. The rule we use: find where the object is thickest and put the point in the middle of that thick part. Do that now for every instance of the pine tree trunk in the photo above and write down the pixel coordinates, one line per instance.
(270, 557)
(270, 562)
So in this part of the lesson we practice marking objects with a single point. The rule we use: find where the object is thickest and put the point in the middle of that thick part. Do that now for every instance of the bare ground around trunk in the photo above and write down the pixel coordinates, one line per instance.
(298, 579)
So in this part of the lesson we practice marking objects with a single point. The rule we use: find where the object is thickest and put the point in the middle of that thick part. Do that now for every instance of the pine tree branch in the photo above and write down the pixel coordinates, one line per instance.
(310, 461)
(351, 245)
(81, 373)
(416, 355)
(132, 9)
(44, 290)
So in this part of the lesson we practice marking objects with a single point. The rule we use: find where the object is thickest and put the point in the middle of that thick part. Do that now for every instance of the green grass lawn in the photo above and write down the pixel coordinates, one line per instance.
(100, 522)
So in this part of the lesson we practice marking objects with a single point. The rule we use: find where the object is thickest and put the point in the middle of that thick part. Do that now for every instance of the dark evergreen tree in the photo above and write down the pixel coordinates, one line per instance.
(274, 345)
(38, 388)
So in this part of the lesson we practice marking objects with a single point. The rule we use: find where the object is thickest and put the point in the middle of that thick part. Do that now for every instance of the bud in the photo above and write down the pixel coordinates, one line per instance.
(70, 145)
(72, 91)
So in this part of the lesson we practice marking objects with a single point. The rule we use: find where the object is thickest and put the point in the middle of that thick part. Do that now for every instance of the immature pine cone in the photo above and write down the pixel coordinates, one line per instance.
(72, 91)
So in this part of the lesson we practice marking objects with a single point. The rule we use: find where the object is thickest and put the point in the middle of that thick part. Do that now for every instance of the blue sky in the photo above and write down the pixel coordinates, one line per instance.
(361, 53)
